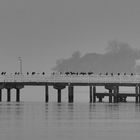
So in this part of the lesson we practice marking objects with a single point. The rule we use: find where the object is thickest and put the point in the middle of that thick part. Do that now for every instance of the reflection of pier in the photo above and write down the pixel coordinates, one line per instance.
(60, 82)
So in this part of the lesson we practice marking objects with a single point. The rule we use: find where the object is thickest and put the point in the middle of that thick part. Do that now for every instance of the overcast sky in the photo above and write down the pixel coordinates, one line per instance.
(42, 31)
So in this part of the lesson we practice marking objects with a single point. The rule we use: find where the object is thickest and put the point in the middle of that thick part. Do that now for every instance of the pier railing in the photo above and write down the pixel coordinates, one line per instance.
(72, 78)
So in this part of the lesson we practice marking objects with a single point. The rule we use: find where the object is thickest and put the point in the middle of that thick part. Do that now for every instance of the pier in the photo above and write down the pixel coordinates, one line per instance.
(111, 83)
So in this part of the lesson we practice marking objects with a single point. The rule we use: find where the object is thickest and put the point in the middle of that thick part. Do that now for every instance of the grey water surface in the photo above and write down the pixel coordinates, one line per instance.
(69, 121)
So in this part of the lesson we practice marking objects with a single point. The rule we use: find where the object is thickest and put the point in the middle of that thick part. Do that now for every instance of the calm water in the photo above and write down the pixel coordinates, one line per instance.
(64, 121)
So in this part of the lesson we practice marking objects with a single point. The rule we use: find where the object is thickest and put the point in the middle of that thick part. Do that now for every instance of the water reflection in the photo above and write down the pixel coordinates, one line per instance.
(62, 111)
(137, 107)
(19, 110)
(69, 120)
(91, 111)
(77, 111)
(70, 110)
(11, 110)
(103, 111)
(112, 111)
(46, 111)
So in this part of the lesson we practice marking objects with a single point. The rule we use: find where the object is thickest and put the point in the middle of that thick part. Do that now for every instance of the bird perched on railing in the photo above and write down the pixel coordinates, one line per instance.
(3, 73)
(33, 73)
(43, 73)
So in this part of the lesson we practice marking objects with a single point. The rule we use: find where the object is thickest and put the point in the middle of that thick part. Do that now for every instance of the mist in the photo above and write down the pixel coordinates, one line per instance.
(119, 57)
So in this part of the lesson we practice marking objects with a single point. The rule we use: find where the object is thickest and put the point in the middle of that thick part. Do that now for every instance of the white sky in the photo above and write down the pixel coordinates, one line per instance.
(46, 30)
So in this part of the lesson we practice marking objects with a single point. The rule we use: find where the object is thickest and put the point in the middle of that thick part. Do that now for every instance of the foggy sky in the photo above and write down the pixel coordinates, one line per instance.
(43, 31)
(119, 57)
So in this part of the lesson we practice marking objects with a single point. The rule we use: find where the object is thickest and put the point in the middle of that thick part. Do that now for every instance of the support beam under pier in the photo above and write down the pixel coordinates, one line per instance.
(46, 93)
(94, 94)
(0, 95)
(100, 99)
(70, 94)
(8, 94)
(116, 92)
(18, 95)
(137, 94)
(59, 95)
(59, 87)
(110, 95)
(90, 94)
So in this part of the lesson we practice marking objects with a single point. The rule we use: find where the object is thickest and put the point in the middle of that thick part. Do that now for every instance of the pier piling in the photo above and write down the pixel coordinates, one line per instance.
(90, 94)
(137, 94)
(110, 95)
(0, 95)
(59, 95)
(70, 94)
(46, 93)
(94, 94)
(116, 91)
(8, 94)
(100, 99)
(59, 87)
(17, 95)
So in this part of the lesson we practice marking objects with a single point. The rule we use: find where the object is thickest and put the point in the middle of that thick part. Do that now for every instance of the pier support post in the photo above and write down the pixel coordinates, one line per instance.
(110, 95)
(90, 94)
(59, 87)
(70, 94)
(46, 93)
(0, 95)
(18, 87)
(116, 91)
(139, 95)
(137, 92)
(18, 95)
(94, 94)
(100, 99)
(8, 94)
(59, 95)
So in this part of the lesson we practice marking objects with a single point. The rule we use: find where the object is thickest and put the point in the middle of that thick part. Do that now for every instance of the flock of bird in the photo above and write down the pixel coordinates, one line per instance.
(69, 73)
(18, 73)
(91, 73)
